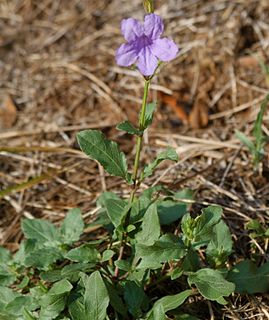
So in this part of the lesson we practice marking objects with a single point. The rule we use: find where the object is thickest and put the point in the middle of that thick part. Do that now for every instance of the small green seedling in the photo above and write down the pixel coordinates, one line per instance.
(256, 147)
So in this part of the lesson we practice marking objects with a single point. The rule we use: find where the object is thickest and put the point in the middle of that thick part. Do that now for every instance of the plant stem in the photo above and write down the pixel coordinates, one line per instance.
(139, 142)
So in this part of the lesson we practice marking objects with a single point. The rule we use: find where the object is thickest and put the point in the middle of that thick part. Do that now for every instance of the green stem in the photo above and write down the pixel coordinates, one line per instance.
(139, 142)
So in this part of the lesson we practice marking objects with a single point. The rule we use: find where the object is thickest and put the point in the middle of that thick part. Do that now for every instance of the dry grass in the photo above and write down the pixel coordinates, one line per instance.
(57, 67)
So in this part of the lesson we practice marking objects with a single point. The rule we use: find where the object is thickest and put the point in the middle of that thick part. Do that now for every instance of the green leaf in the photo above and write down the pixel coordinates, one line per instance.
(6, 296)
(116, 210)
(84, 253)
(257, 130)
(51, 275)
(211, 284)
(107, 255)
(220, 245)
(96, 297)
(16, 306)
(107, 153)
(135, 298)
(44, 232)
(167, 248)
(129, 128)
(101, 201)
(71, 272)
(24, 282)
(169, 211)
(151, 229)
(76, 308)
(26, 248)
(115, 300)
(156, 313)
(123, 265)
(5, 255)
(7, 277)
(55, 300)
(173, 301)
(43, 258)
(191, 261)
(256, 226)
(149, 113)
(202, 229)
(168, 154)
(60, 287)
(250, 279)
(72, 226)
(27, 315)
(245, 140)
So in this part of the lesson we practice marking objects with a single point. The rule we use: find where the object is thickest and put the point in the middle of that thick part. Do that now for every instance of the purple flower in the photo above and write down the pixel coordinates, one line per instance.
(144, 46)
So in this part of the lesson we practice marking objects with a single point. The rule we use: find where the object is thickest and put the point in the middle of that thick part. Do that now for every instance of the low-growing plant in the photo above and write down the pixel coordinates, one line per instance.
(154, 256)
(256, 147)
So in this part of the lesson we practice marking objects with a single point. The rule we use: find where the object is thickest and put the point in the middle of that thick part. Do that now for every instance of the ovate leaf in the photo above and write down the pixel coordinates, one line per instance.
(170, 211)
(72, 226)
(250, 279)
(107, 153)
(16, 306)
(115, 300)
(167, 248)
(55, 300)
(135, 298)
(116, 210)
(204, 223)
(150, 227)
(6, 296)
(40, 230)
(84, 253)
(76, 308)
(168, 154)
(96, 297)
(7, 277)
(43, 258)
(5, 255)
(171, 302)
(220, 245)
(71, 271)
(211, 284)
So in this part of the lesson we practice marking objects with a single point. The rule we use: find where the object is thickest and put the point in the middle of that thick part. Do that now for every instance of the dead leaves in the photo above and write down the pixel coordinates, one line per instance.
(196, 118)
(8, 112)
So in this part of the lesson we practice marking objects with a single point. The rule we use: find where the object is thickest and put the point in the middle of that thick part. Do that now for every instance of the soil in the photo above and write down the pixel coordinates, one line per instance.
(59, 76)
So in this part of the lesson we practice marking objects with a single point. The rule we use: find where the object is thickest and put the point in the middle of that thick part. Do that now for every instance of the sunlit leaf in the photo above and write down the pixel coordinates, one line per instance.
(211, 284)
(94, 144)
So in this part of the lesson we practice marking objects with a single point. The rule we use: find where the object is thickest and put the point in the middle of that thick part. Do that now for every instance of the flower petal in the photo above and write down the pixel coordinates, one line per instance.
(164, 49)
(126, 55)
(153, 26)
(147, 62)
(131, 29)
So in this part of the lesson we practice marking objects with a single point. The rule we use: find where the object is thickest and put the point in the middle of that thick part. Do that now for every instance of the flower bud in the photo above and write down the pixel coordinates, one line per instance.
(148, 5)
